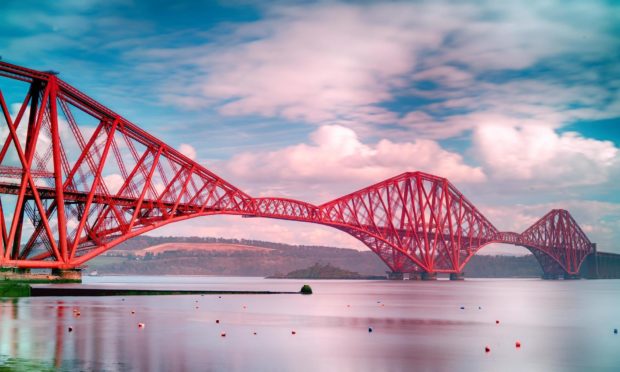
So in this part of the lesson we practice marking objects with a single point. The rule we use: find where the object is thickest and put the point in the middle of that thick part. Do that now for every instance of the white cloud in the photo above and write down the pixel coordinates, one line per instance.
(539, 155)
(113, 182)
(515, 35)
(316, 63)
(339, 161)
(188, 150)
(336, 62)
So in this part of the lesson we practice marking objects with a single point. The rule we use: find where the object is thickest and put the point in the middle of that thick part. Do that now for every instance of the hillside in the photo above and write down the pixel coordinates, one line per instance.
(203, 247)
(210, 256)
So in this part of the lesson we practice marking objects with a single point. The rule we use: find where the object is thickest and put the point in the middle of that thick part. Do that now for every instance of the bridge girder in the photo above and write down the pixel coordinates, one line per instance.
(76, 179)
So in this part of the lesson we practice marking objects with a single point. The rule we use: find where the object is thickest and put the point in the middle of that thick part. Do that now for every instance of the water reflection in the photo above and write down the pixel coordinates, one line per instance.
(416, 326)
(58, 345)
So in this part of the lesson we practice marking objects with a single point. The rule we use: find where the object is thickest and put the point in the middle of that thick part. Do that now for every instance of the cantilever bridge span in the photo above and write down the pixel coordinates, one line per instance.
(76, 179)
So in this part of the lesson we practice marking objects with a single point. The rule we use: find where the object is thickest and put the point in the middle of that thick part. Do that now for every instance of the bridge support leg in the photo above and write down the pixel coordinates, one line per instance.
(13, 272)
(429, 276)
(395, 275)
(74, 275)
(568, 276)
(550, 276)
(415, 276)
(457, 276)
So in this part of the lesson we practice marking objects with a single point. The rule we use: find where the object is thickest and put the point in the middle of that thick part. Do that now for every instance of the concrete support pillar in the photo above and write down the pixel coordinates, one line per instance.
(68, 274)
(457, 276)
(568, 276)
(550, 276)
(594, 258)
(429, 276)
(395, 275)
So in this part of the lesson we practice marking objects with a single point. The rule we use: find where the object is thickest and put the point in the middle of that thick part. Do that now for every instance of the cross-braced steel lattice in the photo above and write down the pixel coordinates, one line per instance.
(76, 179)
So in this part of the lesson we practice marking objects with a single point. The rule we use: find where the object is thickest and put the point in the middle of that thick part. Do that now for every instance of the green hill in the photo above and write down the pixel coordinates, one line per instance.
(129, 259)
(323, 271)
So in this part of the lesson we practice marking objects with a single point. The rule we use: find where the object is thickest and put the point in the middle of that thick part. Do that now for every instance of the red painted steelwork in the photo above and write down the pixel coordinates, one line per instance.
(72, 191)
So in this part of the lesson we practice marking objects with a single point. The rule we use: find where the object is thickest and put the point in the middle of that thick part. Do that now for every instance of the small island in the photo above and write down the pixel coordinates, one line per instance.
(324, 271)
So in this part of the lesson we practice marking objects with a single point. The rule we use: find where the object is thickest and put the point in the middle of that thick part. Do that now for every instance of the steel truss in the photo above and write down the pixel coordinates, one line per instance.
(77, 179)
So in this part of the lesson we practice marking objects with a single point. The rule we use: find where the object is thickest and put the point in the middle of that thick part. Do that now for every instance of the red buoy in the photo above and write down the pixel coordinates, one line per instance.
(70, 329)
(518, 344)
(223, 334)
(293, 332)
(487, 349)
(141, 325)
(497, 322)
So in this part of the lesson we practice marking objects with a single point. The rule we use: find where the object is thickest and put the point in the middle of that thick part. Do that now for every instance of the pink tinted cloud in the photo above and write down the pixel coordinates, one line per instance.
(338, 161)
(540, 156)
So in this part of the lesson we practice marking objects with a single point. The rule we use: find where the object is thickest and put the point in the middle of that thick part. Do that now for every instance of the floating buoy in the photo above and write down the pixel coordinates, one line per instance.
(122, 299)
(141, 325)
(487, 349)
(77, 313)
(615, 331)
(462, 307)
(254, 333)
(217, 321)
(244, 306)
(518, 344)
(70, 329)
(382, 305)
(369, 329)
(219, 296)
(133, 311)
(348, 305)
(479, 307)
(497, 322)
(223, 334)
(197, 307)
(293, 332)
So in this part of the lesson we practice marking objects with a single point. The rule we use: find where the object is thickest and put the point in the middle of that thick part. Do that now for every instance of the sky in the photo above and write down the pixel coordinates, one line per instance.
(516, 103)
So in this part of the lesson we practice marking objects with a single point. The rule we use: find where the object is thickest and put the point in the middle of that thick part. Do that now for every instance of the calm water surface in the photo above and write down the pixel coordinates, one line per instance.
(417, 326)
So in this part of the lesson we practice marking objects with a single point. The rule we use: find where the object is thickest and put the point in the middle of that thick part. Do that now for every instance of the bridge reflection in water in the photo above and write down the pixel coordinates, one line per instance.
(60, 208)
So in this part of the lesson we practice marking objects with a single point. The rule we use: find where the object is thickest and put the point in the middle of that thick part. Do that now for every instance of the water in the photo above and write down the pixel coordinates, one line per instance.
(562, 326)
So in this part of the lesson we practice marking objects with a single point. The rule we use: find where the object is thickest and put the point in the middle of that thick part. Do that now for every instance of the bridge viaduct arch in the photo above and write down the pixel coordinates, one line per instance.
(59, 207)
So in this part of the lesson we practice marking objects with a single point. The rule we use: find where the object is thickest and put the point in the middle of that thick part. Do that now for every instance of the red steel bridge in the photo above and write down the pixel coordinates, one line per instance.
(77, 179)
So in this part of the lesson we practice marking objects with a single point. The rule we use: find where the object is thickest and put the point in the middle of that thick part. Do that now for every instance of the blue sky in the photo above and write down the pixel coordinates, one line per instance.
(518, 104)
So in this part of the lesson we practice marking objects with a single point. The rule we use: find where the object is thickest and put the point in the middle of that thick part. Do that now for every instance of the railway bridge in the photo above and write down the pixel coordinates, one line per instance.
(60, 208)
